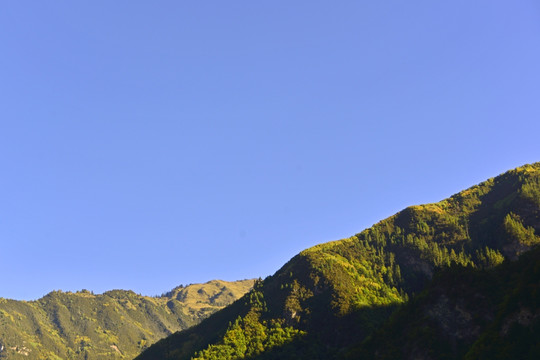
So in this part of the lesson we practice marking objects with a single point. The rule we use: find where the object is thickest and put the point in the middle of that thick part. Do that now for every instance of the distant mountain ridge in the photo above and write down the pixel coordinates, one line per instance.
(117, 324)
(327, 301)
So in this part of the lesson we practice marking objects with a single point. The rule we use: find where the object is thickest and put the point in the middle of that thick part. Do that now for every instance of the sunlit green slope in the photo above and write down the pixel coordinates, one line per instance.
(327, 299)
(115, 325)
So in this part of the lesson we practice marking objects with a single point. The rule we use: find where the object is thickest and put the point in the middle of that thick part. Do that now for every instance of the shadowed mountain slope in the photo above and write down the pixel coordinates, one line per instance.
(329, 298)
(467, 313)
(117, 324)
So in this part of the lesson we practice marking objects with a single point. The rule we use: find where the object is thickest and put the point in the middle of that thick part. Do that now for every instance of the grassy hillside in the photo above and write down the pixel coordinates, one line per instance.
(329, 298)
(117, 324)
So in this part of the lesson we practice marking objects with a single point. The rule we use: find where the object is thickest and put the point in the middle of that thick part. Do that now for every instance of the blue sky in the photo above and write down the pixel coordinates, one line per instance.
(150, 144)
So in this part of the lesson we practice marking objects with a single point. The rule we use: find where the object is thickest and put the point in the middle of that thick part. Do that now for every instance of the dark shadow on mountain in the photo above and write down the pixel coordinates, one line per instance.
(466, 313)
(331, 339)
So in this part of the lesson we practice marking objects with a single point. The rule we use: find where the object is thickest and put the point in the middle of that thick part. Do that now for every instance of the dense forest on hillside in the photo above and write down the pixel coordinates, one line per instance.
(117, 324)
(330, 299)
(466, 313)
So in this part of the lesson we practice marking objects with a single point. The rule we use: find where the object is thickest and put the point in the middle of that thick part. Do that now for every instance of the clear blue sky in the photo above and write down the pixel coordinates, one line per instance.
(145, 144)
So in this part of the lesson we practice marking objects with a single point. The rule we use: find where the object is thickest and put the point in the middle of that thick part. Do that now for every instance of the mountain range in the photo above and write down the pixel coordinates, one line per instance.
(117, 324)
(456, 279)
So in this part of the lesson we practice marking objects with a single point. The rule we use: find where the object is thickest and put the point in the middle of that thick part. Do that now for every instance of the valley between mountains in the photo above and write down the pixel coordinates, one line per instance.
(457, 279)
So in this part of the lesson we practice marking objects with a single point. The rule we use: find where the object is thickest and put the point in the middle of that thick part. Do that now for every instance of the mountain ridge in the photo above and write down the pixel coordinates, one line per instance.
(116, 324)
(336, 294)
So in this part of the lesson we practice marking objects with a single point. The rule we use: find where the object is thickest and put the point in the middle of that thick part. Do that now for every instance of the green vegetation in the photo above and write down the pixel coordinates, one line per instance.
(115, 325)
(249, 335)
(516, 231)
(330, 298)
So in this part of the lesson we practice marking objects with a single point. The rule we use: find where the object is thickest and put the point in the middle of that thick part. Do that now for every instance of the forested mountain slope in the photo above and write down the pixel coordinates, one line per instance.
(467, 313)
(328, 299)
(117, 324)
